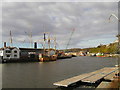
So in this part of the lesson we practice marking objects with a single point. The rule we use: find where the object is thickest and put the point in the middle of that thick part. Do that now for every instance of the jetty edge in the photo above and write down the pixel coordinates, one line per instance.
(91, 77)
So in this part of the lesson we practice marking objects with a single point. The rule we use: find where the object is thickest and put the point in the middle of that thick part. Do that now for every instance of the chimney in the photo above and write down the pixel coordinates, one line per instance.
(35, 45)
(4, 44)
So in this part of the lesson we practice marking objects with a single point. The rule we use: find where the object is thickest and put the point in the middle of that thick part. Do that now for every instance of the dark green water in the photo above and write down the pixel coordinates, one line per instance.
(43, 75)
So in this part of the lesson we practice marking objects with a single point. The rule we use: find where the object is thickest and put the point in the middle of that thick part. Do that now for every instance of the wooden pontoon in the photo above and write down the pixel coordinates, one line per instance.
(87, 77)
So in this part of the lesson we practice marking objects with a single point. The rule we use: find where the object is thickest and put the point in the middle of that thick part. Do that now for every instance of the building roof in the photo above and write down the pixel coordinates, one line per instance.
(23, 48)
(30, 49)
(8, 48)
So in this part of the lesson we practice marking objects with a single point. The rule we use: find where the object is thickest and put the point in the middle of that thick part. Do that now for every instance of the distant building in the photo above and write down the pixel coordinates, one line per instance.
(30, 53)
(10, 53)
(23, 54)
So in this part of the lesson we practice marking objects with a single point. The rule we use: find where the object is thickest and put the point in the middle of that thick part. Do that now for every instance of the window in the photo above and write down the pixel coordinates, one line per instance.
(8, 51)
(8, 55)
(15, 55)
(15, 51)
(32, 55)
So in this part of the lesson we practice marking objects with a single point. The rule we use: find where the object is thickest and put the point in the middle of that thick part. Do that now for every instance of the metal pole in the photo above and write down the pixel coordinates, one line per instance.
(118, 51)
(118, 47)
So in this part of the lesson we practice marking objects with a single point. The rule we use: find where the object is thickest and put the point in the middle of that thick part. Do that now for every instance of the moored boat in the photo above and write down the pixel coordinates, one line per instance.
(46, 58)
(49, 54)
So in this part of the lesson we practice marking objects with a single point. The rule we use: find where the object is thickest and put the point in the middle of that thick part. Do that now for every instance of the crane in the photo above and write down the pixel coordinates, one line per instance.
(70, 38)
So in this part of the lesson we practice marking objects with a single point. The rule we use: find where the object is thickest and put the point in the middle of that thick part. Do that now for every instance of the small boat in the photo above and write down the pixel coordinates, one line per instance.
(62, 55)
(100, 56)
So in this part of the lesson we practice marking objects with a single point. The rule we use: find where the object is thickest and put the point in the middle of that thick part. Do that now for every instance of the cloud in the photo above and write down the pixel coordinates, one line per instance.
(89, 19)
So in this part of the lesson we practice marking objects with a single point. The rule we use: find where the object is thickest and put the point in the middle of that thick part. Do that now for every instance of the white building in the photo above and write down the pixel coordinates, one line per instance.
(10, 53)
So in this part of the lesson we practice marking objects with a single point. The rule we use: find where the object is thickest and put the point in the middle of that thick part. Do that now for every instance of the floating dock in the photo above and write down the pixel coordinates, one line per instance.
(91, 77)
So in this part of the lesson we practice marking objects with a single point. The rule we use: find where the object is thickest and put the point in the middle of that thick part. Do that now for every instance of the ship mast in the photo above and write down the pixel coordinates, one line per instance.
(44, 42)
(48, 43)
(11, 42)
(31, 39)
(55, 43)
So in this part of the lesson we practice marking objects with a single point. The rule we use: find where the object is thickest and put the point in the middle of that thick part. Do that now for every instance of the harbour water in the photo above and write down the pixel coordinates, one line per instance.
(44, 74)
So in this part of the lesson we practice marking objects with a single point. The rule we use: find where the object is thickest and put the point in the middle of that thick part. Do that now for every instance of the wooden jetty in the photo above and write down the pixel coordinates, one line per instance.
(111, 76)
(113, 85)
(98, 76)
(104, 85)
(91, 77)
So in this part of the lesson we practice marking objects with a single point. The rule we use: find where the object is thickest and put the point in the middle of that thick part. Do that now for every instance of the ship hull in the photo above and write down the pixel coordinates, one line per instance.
(45, 58)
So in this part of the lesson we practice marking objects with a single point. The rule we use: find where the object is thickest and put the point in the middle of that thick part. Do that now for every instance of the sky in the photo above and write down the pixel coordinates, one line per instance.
(88, 19)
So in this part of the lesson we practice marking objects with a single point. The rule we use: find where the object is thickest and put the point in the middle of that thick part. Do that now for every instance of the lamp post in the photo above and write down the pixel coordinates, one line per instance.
(118, 46)
(118, 52)
(118, 36)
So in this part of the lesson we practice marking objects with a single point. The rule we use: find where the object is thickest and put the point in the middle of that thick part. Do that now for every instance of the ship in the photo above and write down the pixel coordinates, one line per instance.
(48, 54)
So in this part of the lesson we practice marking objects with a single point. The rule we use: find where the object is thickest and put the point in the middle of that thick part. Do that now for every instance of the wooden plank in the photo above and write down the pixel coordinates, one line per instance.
(111, 76)
(72, 80)
(98, 76)
(93, 78)
(104, 85)
(75, 79)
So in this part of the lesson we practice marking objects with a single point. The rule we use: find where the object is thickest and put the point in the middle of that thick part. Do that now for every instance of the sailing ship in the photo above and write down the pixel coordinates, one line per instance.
(48, 54)
(47, 57)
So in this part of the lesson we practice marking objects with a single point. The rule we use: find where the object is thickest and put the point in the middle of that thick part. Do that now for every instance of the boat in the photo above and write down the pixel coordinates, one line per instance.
(46, 58)
(48, 54)
(100, 55)
(62, 55)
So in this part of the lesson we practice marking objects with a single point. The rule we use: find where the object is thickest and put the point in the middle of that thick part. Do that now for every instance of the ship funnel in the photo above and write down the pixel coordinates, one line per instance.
(35, 45)
(4, 44)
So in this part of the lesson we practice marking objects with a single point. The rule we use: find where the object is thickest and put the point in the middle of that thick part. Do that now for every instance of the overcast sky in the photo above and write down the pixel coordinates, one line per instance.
(89, 19)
